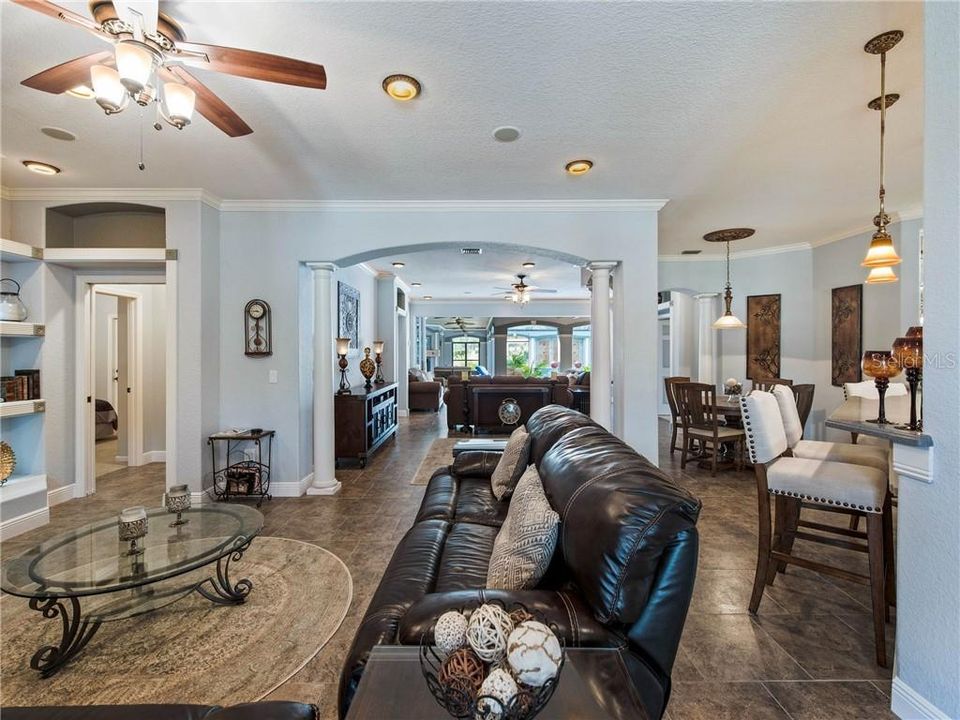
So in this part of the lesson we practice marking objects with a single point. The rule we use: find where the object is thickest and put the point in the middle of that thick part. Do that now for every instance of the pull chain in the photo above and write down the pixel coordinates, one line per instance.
(141, 164)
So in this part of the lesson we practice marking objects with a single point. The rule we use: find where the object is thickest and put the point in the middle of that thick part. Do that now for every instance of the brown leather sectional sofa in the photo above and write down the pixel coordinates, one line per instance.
(622, 575)
(423, 393)
(473, 403)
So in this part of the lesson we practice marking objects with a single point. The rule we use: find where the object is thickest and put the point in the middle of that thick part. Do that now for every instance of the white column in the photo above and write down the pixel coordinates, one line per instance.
(600, 335)
(324, 460)
(708, 354)
(566, 350)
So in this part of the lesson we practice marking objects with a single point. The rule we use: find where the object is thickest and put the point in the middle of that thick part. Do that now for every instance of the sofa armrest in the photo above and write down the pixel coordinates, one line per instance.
(425, 386)
(565, 612)
(475, 463)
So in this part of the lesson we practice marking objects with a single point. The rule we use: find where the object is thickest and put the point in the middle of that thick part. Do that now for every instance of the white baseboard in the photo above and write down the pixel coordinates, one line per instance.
(23, 523)
(152, 456)
(403, 412)
(907, 704)
(60, 494)
(122, 459)
(291, 489)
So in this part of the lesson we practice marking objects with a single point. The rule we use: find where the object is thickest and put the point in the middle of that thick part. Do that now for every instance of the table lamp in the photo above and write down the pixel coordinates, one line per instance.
(908, 352)
(881, 365)
(378, 349)
(343, 347)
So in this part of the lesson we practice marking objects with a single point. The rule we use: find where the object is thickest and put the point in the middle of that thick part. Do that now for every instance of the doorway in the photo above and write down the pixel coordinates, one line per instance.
(121, 406)
(663, 365)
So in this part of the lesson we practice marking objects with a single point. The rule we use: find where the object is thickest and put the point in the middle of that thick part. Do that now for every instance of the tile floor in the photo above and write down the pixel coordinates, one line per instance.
(808, 655)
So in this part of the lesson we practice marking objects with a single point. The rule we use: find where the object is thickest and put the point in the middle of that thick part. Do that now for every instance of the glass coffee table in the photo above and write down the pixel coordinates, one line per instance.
(92, 564)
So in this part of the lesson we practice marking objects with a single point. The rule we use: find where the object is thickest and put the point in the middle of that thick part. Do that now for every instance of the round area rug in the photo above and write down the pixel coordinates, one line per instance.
(191, 651)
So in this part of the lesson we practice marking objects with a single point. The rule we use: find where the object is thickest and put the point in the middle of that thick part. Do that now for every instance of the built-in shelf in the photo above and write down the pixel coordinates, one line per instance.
(18, 486)
(22, 407)
(107, 257)
(9, 328)
(13, 251)
(24, 504)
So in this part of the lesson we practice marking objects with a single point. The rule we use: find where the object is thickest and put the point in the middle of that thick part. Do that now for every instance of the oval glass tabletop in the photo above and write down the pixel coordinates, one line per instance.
(92, 559)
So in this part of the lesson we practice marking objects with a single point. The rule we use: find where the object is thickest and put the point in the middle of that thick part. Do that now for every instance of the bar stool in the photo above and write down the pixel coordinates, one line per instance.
(824, 485)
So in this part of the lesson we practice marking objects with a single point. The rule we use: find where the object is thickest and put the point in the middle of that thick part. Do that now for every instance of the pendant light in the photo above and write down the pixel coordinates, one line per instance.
(882, 253)
(728, 321)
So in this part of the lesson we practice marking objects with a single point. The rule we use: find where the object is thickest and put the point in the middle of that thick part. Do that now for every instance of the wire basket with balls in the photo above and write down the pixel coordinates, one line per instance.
(492, 663)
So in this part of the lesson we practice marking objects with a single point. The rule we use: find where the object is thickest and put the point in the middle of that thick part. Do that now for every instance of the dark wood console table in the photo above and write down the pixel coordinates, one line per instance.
(364, 421)
(485, 400)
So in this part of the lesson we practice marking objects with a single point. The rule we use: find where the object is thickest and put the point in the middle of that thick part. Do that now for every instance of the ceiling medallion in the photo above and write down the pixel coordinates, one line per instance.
(881, 252)
(729, 235)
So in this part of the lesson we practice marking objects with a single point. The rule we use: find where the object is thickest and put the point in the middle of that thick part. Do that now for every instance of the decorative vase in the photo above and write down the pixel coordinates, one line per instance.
(367, 368)
(8, 462)
(11, 306)
(881, 365)
(178, 500)
(909, 354)
(132, 526)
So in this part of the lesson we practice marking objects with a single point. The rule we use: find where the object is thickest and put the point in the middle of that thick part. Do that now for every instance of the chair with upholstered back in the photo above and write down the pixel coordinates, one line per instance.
(669, 383)
(824, 485)
(697, 408)
(766, 384)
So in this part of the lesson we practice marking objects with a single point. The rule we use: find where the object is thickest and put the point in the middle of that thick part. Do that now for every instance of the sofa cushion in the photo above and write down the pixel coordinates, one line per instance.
(466, 555)
(618, 513)
(462, 499)
(525, 544)
(513, 462)
(549, 424)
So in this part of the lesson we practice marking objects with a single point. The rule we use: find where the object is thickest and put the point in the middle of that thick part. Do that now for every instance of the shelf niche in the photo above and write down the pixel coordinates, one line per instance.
(106, 225)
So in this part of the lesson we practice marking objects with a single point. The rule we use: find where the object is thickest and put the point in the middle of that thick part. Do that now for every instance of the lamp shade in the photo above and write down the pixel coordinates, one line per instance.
(107, 89)
(908, 352)
(180, 101)
(880, 364)
(880, 275)
(135, 63)
(728, 321)
(881, 252)
(378, 347)
(343, 346)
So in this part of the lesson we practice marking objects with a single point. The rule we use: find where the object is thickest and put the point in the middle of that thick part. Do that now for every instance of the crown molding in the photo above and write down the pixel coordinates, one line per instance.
(912, 213)
(111, 194)
(622, 205)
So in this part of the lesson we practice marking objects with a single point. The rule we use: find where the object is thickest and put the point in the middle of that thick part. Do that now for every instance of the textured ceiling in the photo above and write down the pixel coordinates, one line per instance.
(448, 274)
(739, 113)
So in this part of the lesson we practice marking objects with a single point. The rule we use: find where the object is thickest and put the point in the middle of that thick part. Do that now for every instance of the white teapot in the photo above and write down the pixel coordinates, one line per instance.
(11, 306)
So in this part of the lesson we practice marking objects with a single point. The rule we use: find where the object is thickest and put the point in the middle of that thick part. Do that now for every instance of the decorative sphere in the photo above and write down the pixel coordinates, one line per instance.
(487, 632)
(502, 688)
(450, 632)
(730, 382)
(534, 653)
(462, 672)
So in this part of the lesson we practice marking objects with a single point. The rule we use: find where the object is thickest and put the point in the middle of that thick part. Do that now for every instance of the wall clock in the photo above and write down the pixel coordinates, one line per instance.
(257, 329)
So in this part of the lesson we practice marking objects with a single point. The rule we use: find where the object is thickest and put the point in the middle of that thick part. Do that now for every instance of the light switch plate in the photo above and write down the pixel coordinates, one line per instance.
(273, 377)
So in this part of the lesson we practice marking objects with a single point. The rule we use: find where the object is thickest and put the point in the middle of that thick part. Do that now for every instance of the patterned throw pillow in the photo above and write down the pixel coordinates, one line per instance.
(524, 546)
(513, 461)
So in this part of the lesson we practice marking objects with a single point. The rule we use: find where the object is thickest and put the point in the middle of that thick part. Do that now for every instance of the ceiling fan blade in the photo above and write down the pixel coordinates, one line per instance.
(142, 13)
(208, 104)
(67, 75)
(58, 13)
(541, 290)
(256, 65)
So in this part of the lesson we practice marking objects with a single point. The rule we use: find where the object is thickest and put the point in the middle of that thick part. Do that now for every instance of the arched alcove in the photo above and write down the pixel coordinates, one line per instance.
(105, 225)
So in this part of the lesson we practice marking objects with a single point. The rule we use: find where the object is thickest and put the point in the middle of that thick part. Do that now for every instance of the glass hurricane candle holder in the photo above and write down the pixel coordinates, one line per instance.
(909, 354)
(131, 526)
(178, 500)
(881, 365)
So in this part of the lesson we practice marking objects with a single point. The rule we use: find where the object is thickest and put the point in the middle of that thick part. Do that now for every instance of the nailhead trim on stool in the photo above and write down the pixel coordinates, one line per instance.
(826, 501)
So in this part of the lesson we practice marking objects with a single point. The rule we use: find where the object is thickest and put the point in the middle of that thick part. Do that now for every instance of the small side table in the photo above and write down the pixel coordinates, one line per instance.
(243, 478)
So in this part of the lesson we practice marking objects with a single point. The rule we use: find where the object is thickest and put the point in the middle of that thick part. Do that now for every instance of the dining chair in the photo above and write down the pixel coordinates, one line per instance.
(829, 486)
(669, 383)
(697, 407)
(804, 394)
(766, 384)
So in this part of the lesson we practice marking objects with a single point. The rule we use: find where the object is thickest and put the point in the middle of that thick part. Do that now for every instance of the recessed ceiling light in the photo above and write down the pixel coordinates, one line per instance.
(506, 133)
(58, 134)
(41, 167)
(579, 167)
(81, 91)
(416, 284)
(399, 264)
(529, 264)
(428, 297)
(401, 87)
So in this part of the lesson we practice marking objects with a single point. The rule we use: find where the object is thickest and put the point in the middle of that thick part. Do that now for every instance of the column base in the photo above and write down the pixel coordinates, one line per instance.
(325, 490)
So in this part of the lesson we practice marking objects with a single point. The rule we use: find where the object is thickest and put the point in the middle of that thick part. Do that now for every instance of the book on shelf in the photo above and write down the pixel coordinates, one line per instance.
(22, 385)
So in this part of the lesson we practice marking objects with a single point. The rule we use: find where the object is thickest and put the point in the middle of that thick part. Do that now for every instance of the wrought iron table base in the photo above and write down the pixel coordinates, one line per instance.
(77, 631)
(224, 591)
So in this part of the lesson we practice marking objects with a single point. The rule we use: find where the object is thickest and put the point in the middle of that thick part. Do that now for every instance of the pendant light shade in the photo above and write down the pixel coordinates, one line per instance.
(881, 252)
(180, 101)
(729, 321)
(107, 89)
(135, 63)
(882, 274)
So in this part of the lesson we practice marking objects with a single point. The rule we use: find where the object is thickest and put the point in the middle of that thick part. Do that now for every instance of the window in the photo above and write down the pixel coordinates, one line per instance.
(466, 351)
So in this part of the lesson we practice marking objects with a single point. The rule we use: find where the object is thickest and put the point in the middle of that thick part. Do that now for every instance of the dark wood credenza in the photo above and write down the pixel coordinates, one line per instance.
(364, 421)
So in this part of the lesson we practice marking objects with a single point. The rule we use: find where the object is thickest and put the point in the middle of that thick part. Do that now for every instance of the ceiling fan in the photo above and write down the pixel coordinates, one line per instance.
(150, 50)
(520, 292)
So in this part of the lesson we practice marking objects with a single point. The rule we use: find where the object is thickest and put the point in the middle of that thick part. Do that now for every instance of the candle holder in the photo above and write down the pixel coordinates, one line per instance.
(178, 500)
(378, 351)
(909, 354)
(881, 365)
(367, 368)
(131, 526)
(343, 347)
